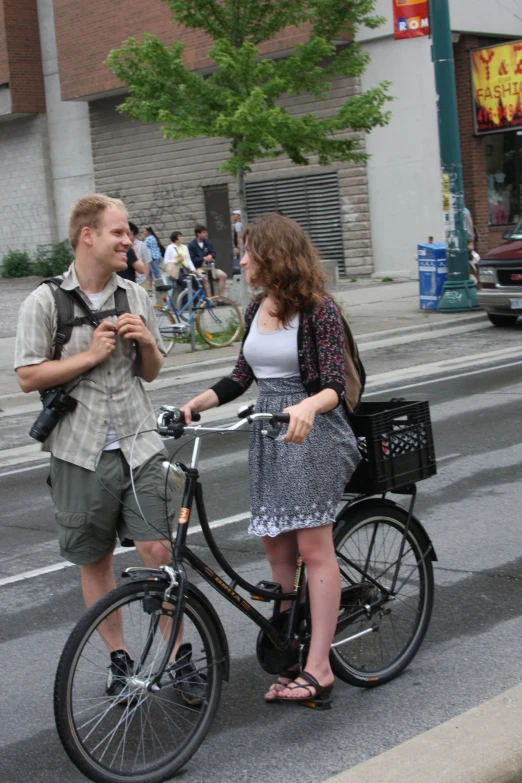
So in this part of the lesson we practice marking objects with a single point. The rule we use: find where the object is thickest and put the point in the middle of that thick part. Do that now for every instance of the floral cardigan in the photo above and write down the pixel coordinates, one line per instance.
(320, 345)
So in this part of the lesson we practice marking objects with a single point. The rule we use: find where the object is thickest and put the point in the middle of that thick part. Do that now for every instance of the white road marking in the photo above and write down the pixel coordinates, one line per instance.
(440, 380)
(24, 470)
(8, 580)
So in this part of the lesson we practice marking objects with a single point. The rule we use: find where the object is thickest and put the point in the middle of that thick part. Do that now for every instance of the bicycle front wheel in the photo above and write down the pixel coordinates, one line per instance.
(138, 735)
(219, 321)
(166, 325)
(368, 545)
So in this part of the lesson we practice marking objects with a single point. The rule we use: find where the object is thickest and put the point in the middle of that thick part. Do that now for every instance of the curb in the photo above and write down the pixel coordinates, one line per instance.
(478, 746)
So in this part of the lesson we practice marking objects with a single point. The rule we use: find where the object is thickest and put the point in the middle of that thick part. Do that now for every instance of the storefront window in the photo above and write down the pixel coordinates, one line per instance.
(504, 170)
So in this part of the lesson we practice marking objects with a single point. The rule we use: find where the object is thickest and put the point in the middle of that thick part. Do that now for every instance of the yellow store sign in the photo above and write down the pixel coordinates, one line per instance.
(497, 87)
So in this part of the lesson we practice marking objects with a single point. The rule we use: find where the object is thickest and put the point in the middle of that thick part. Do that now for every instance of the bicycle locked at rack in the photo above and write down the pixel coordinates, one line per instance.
(175, 640)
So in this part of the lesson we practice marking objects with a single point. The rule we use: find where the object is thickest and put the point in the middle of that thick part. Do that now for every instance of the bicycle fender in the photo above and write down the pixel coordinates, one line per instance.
(140, 574)
(374, 503)
(202, 598)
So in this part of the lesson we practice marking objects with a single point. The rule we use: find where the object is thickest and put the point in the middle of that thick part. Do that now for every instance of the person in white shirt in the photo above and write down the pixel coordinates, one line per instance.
(177, 259)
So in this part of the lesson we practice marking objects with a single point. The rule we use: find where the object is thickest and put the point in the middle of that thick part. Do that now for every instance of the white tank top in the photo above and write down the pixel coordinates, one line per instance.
(273, 354)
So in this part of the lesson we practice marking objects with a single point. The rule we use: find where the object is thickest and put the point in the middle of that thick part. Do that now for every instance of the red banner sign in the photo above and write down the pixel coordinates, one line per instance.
(410, 18)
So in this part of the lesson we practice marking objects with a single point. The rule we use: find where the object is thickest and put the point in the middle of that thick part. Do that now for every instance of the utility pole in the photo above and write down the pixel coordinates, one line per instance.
(459, 293)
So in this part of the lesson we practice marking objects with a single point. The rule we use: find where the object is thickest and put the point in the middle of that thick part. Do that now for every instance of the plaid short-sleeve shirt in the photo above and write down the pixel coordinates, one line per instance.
(109, 390)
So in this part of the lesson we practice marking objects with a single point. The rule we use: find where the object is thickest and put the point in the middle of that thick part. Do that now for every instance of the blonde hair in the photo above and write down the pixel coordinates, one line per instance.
(87, 212)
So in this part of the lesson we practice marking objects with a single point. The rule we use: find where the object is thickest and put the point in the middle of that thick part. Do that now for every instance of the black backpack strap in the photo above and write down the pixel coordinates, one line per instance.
(66, 319)
(64, 314)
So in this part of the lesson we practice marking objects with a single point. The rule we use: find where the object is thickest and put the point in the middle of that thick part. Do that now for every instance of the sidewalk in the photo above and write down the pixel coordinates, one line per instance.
(379, 314)
(478, 746)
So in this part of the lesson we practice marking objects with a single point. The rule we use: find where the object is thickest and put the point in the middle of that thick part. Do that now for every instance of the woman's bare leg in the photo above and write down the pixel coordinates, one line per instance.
(324, 586)
(281, 552)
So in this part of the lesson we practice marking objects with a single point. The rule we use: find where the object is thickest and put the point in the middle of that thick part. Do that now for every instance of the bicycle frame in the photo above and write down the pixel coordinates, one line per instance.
(198, 294)
(176, 574)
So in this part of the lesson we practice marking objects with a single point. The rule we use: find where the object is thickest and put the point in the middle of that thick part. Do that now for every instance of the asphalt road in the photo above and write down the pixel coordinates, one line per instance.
(471, 652)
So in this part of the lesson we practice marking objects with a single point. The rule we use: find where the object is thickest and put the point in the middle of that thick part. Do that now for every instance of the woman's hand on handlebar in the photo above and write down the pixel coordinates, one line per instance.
(188, 410)
(302, 418)
(208, 399)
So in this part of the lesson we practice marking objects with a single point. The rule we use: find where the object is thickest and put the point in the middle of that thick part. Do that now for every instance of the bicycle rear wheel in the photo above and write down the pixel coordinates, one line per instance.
(370, 538)
(140, 736)
(166, 323)
(219, 322)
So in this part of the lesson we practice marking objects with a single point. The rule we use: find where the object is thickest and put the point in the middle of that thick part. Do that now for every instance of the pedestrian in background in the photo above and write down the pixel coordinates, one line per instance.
(135, 267)
(177, 259)
(156, 251)
(203, 254)
(140, 248)
(236, 226)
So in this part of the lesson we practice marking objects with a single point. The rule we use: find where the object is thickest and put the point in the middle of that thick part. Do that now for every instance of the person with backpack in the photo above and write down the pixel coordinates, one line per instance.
(294, 346)
(92, 336)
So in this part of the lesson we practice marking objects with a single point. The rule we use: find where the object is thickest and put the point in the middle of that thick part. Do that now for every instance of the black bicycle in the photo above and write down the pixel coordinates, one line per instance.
(166, 702)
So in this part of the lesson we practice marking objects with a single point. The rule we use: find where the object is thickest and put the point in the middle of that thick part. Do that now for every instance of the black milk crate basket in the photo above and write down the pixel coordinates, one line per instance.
(396, 442)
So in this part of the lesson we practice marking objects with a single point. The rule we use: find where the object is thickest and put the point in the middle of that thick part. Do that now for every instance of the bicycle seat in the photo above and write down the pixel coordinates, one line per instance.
(167, 287)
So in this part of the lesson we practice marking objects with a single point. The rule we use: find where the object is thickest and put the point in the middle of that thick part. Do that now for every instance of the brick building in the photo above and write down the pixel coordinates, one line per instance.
(61, 137)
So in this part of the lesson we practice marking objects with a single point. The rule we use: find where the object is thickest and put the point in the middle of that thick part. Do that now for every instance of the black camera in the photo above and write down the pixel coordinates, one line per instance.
(55, 402)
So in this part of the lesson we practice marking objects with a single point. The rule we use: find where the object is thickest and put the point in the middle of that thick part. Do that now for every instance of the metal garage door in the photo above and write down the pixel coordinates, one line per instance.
(312, 201)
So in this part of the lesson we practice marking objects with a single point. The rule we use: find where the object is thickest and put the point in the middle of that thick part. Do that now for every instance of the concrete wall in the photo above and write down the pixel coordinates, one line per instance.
(403, 171)
(26, 202)
(72, 169)
(161, 182)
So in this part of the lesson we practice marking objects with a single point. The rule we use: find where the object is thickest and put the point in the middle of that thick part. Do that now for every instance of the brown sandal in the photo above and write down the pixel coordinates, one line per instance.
(321, 692)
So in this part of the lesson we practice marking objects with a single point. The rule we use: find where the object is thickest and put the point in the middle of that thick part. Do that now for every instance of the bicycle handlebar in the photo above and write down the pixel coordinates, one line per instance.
(171, 422)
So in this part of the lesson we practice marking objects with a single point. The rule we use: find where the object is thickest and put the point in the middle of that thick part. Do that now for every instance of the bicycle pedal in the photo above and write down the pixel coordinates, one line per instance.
(271, 587)
(317, 705)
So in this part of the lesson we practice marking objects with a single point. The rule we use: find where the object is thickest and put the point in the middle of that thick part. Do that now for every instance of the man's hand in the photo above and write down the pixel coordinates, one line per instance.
(132, 327)
(103, 342)
(208, 258)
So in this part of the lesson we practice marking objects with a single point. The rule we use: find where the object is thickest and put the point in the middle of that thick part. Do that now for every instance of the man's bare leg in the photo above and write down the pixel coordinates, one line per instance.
(97, 580)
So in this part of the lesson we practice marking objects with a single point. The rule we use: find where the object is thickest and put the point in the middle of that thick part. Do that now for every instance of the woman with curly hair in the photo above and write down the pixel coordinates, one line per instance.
(294, 348)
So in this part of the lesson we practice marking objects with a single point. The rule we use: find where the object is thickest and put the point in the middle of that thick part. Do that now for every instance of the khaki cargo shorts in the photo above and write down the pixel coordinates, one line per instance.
(90, 516)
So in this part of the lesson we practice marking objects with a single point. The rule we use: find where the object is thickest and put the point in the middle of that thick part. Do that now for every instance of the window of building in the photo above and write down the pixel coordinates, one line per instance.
(312, 201)
(504, 171)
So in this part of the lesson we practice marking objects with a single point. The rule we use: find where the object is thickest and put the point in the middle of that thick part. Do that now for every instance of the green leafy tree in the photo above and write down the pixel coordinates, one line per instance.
(240, 99)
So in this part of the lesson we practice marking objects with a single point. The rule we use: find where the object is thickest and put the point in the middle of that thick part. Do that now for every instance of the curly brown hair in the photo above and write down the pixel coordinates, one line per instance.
(287, 265)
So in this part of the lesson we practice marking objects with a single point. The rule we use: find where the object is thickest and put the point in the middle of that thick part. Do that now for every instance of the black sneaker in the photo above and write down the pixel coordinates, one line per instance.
(187, 680)
(119, 671)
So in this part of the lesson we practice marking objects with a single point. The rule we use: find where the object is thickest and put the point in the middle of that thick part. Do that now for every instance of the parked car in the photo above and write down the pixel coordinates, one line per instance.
(500, 280)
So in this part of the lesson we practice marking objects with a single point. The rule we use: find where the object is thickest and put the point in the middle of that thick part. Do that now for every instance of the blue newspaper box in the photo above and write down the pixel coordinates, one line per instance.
(433, 273)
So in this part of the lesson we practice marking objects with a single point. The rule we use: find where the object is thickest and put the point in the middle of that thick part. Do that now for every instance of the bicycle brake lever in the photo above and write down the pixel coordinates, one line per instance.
(276, 433)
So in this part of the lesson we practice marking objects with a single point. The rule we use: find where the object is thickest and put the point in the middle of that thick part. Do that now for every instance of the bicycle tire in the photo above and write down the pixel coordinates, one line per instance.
(164, 318)
(372, 660)
(79, 730)
(212, 317)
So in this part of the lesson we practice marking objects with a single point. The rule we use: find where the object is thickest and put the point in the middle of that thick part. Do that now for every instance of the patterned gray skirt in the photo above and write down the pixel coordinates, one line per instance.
(293, 485)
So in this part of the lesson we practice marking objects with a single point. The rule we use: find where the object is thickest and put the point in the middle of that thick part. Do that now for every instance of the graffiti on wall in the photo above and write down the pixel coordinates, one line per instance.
(170, 207)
